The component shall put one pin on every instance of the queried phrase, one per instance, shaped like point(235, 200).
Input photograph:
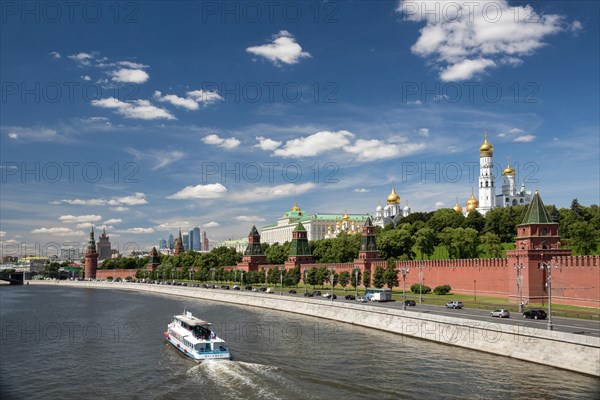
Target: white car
point(361, 299)
point(500, 313)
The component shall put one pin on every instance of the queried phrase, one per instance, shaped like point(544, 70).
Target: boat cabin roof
point(192, 321)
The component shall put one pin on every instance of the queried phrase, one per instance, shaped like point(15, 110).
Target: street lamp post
point(548, 267)
point(281, 269)
point(519, 269)
point(356, 270)
point(242, 280)
point(213, 276)
point(475, 289)
point(305, 272)
point(332, 269)
point(420, 283)
point(404, 272)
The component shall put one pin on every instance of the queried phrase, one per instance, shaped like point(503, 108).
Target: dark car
point(317, 293)
point(292, 291)
point(350, 297)
point(226, 287)
point(262, 289)
point(309, 294)
point(535, 314)
point(328, 296)
point(410, 303)
point(236, 287)
point(195, 285)
point(248, 287)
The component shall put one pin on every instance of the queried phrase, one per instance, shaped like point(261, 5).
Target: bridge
point(15, 278)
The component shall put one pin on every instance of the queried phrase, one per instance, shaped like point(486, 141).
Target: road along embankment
point(564, 350)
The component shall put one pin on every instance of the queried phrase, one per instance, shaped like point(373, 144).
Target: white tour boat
point(194, 338)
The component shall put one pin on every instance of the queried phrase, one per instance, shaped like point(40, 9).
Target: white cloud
point(82, 58)
point(170, 225)
point(315, 144)
point(361, 190)
point(249, 218)
point(130, 75)
point(160, 159)
point(54, 54)
point(113, 221)
point(260, 193)
point(135, 199)
point(439, 204)
point(283, 49)
point(177, 101)
point(86, 78)
point(211, 224)
point(468, 38)
point(132, 65)
point(465, 69)
point(525, 138)
point(423, 132)
point(79, 218)
point(57, 231)
point(138, 230)
point(137, 109)
point(34, 134)
point(266, 143)
point(229, 143)
point(205, 97)
point(374, 149)
point(2, 234)
point(120, 209)
point(210, 191)
point(13, 136)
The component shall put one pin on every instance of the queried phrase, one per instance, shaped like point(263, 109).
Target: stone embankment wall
point(569, 351)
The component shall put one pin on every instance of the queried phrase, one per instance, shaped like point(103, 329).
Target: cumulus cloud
point(193, 101)
point(468, 38)
point(524, 138)
point(82, 58)
point(138, 230)
point(211, 224)
point(249, 218)
point(113, 221)
point(376, 149)
point(13, 136)
point(79, 218)
point(439, 204)
point(170, 225)
point(132, 65)
point(283, 49)
point(54, 54)
point(423, 132)
point(136, 109)
point(315, 144)
point(260, 193)
point(126, 75)
point(132, 200)
point(227, 143)
point(120, 209)
point(34, 134)
point(361, 190)
point(210, 191)
point(266, 143)
point(57, 231)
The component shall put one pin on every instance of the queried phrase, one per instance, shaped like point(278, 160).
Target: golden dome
point(508, 170)
point(295, 207)
point(486, 149)
point(457, 207)
point(472, 203)
point(346, 217)
point(393, 197)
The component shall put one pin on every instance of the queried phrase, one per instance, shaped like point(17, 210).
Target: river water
point(92, 343)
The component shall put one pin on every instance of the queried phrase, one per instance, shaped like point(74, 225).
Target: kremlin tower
point(487, 190)
point(91, 257)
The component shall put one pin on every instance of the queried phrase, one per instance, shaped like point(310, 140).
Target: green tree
point(344, 279)
point(354, 280)
point(391, 274)
point(467, 242)
point(367, 278)
point(584, 237)
point(475, 220)
point(444, 218)
point(446, 238)
point(379, 277)
point(278, 253)
point(292, 276)
point(491, 245)
point(425, 241)
point(396, 243)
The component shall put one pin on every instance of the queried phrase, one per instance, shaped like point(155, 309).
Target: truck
point(381, 296)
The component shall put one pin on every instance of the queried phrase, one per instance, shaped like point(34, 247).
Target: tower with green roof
point(91, 257)
point(253, 255)
point(537, 241)
point(299, 249)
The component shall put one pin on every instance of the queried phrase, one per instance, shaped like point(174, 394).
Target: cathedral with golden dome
point(488, 198)
point(392, 212)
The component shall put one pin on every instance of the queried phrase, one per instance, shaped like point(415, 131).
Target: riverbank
point(568, 351)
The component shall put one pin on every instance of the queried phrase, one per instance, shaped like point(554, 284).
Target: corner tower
point(253, 255)
point(487, 190)
point(91, 257)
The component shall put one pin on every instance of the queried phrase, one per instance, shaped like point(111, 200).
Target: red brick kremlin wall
point(576, 281)
point(102, 274)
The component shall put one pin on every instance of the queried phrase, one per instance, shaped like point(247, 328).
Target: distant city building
point(178, 245)
point(186, 242)
point(171, 242)
point(71, 253)
point(195, 243)
point(204, 241)
point(162, 244)
point(318, 226)
point(103, 246)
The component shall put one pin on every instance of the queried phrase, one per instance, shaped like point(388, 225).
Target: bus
point(374, 294)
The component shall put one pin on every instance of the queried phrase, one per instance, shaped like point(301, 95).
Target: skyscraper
point(103, 246)
point(204, 241)
point(196, 244)
point(171, 242)
point(186, 242)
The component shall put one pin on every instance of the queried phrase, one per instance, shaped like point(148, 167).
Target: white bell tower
point(487, 190)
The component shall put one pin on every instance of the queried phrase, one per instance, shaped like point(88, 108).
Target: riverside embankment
point(564, 350)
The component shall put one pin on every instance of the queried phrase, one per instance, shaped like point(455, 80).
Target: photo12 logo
point(253, 172)
point(469, 92)
point(269, 11)
point(70, 12)
point(67, 171)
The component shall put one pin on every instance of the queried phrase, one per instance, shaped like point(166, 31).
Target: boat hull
point(194, 355)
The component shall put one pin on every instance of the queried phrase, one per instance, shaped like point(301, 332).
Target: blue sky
point(145, 117)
